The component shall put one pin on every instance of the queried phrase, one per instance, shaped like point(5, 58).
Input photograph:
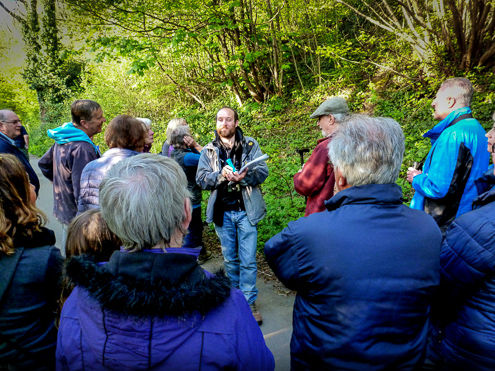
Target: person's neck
point(228, 142)
point(175, 241)
point(90, 135)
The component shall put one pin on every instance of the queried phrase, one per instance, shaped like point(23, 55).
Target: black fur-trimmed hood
point(147, 284)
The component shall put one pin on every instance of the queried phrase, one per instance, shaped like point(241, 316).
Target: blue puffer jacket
point(468, 279)
point(458, 157)
point(152, 310)
point(93, 174)
point(365, 272)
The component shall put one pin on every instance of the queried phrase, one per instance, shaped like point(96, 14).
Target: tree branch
point(11, 13)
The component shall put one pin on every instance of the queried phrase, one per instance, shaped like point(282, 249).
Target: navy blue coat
point(6, 147)
point(365, 272)
point(28, 300)
point(468, 279)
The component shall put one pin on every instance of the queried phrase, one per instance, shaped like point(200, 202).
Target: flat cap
point(331, 106)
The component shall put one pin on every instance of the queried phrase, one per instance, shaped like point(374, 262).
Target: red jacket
point(317, 179)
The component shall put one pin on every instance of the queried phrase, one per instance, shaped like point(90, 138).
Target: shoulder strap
point(419, 165)
point(460, 118)
point(8, 266)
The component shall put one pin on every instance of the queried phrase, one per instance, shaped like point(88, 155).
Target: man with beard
point(236, 204)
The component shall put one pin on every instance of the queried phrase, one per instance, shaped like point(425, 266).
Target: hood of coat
point(44, 237)
point(438, 129)
point(144, 284)
point(154, 304)
point(68, 133)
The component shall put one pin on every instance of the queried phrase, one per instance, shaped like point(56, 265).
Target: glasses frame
point(12, 122)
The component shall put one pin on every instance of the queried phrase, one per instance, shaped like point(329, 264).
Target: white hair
point(142, 200)
point(145, 121)
point(368, 150)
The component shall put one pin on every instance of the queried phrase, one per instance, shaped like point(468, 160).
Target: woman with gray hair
point(152, 306)
point(189, 140)
point(188, 159)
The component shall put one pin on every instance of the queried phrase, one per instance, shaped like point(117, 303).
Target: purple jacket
point(154, 311)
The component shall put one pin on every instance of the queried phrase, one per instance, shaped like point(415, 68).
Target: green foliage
point(51, 70)
point(275, 61)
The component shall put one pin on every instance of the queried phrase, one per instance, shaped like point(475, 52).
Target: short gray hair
point(460, 88)
point(142, 200)
point(3, 114)
point(172, 125)
point(368, 150)
point(176, 138)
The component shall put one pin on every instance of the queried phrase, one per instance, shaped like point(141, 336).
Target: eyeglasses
point(15, 122)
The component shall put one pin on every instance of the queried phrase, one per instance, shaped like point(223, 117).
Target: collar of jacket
point(120, 152)
point(485, 187)
point(324, 139)
point(438, 129)
point(379, 194)
point(68, 133)
point(44, 237)
point(144, 284)
point(6, 138)
point(239, 140)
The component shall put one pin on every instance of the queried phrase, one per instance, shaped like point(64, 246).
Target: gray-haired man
point(10, 128)
point(316, 179)
point(365, 270)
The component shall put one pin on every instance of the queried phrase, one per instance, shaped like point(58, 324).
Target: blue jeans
point(238, 238)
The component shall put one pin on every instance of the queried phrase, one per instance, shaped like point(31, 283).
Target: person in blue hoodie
point(445, 186)
point(64, 162)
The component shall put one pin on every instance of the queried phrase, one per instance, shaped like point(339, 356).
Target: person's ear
point(340, 180)
point(451, 102)
point(83, 124)
point(187, 213)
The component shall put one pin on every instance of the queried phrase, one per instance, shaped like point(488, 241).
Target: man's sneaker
point(256, 314)
point(203, 258)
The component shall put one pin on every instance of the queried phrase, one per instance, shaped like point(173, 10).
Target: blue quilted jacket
point(468, 279)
